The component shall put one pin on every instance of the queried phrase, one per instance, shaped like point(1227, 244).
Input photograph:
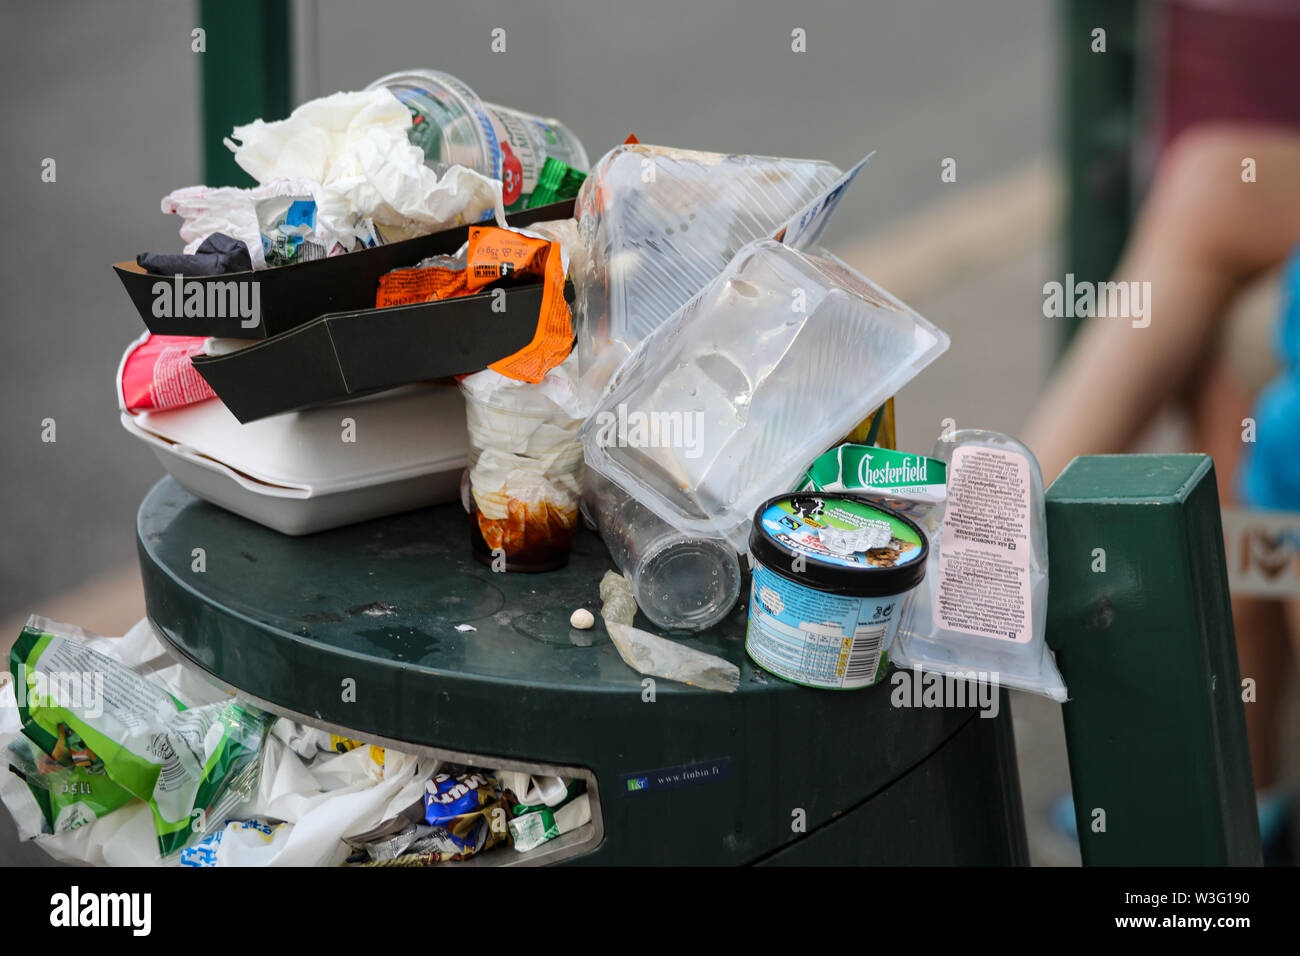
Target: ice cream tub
point(831, 573)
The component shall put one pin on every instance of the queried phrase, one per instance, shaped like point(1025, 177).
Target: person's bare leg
point(1202, 233)
point(1293, 628)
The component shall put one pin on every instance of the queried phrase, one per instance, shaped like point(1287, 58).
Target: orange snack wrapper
point(409, 286)
point(494, 254)
point(554, 337)
point(501, 254)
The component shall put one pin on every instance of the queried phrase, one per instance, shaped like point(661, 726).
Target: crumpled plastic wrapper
point(876, 534)
point(416, 838)
point(256, 217)
point(656, 656)
point(565, 232)
point(526, 464)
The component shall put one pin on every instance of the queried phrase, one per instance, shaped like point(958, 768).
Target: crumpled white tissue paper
point(355, 145)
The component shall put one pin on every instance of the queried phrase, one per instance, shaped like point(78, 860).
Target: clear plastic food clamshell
point(658, 224)
point(726, 403)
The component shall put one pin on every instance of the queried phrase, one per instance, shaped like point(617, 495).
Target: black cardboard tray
point(292, 295)
point(349, 354)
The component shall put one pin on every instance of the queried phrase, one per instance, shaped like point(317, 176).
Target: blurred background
point(1051, 141)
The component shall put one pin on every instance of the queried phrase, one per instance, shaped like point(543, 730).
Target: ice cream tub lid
point(839, 543)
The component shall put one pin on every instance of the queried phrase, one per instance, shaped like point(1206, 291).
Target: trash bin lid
point(401, 593)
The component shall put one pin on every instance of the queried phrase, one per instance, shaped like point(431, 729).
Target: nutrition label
point(816, 639)
point(983, 579)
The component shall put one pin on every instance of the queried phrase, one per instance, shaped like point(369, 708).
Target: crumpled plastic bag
point(325, 801)
point(320, 801)
point(127, 835)
point(355, 146)
point(307, 811)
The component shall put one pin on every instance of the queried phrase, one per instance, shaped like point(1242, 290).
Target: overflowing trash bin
point(432, 304)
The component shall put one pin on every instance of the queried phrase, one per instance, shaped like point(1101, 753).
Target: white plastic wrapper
point(533, 790)
point(305, 741)
point(324, 802)
point(981, 612)
point(657, 656)
point(249, 214)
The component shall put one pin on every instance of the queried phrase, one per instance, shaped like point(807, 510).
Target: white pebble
point(582, 619)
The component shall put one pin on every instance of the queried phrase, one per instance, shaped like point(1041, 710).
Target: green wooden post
point(1099, 105)
point(246, 75)
point(1155, 724)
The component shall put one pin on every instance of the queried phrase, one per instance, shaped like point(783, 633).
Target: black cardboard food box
point(349, 354)
point(289, 296)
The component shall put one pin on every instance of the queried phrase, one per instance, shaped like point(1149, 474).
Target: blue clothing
point(1270, 474)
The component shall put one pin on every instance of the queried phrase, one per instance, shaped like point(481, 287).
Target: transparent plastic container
point(658, 224)
point(727, 403)
point(681, 582)
point(456, 128)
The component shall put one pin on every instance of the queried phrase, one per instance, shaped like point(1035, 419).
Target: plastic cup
point(681, 582)
point(525, 480)
point(456, 128)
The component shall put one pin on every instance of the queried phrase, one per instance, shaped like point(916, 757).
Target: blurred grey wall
point(916, 80)
point(109, 91)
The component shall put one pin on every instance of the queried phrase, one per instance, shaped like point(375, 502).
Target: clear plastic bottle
point(681, 582)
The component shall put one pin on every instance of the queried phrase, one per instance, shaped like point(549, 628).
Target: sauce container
point(831, 574)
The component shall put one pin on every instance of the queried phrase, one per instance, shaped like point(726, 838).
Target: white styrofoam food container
point(298, 473)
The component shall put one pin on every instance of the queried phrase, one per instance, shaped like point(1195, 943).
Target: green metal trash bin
point(389, 631)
